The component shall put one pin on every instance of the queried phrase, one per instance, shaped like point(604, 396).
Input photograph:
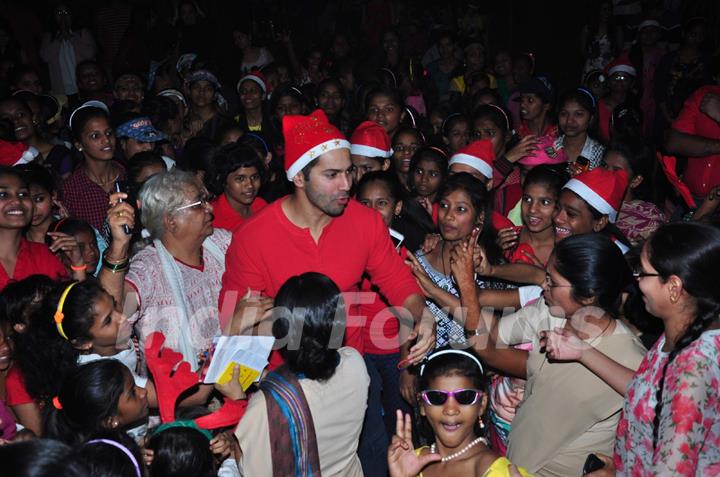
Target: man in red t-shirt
point(696, 134)
point(318, 228)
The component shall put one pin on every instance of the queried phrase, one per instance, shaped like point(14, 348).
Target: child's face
point(15, 203)
point(97, 140)
point(458, 136)
point(485, 128)
point(453, 423)
point(251, 95)
point(364, 164)
point(377, 196)
point(42, 205)
point(539, 206)
point(243, 184)
point(133, 403)
point(384, 111)
point(427, 177)
point(574, 217)
point(457, 216)
point(573, 119)
point(287, 105)
point(404, 147)
point(110, 327)
point(88, 248)
point(331, 100)
point(531, 107)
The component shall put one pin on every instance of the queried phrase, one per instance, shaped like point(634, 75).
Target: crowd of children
point(467, 270)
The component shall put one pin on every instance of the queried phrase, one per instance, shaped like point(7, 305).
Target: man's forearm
point(690, 145)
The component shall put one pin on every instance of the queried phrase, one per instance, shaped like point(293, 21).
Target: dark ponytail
point(42, 354)
point(88, 396)
point(690, 251)
point(596, 269)
point(309, 311)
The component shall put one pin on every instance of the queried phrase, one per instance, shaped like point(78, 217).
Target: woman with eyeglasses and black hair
point(669, 424)
point(566, 411)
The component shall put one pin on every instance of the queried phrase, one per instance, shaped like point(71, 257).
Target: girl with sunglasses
point(453, 400)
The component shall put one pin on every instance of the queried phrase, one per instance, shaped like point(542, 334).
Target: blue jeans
point(383, 399)
point(386, 366)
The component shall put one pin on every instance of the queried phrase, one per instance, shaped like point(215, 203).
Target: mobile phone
point(399, 238)
point(122, 187)
point(592, 463)
point(583, 163)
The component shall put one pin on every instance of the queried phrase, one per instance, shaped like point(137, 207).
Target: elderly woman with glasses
point(171, 285)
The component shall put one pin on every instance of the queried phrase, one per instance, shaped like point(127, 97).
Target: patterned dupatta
point(291, 426)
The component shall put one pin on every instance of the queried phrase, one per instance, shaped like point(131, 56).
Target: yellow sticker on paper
point(246, 378)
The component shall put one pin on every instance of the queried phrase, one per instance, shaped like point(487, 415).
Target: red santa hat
point(478, 154)
point(14, 153)
point(306, 138)
point(668, 165)
point(602, 188)
point(257, 77)
point(621, 65)
point(370, 139)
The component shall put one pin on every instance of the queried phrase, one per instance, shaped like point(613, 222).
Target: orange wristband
point(78, 268)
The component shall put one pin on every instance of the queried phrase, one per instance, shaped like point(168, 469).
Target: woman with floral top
point(671, 417)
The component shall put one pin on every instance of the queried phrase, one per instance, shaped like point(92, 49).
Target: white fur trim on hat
point(369, 151)
point(472, 161)
point(592, 198)
point(623, 248)
point(28, 156)
point(622, 69)
point(313, 154)
point(647, 23)
point(258, 80)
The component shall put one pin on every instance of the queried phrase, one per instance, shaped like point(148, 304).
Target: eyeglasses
point(199, 204)
point(464, 397)
point(638, 273)
point(620, 78)
point(550, 284)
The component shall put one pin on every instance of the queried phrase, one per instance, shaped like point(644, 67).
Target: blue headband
point(267, 149)
point(592, 97)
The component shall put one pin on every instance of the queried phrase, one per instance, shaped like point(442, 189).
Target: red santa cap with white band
point(479, 155)
point(602, 188)
point(16, 153)
point(621, 66)
point(370, 139)
point(306, 138)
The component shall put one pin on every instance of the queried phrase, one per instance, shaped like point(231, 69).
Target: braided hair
point(690, 251)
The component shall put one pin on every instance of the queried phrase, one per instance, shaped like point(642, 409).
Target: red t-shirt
point(269, 249)
point(604, 116)
point(227, 218)
point(380, 333)
point(15, 391)
point(703, 173)
point(34, 259)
